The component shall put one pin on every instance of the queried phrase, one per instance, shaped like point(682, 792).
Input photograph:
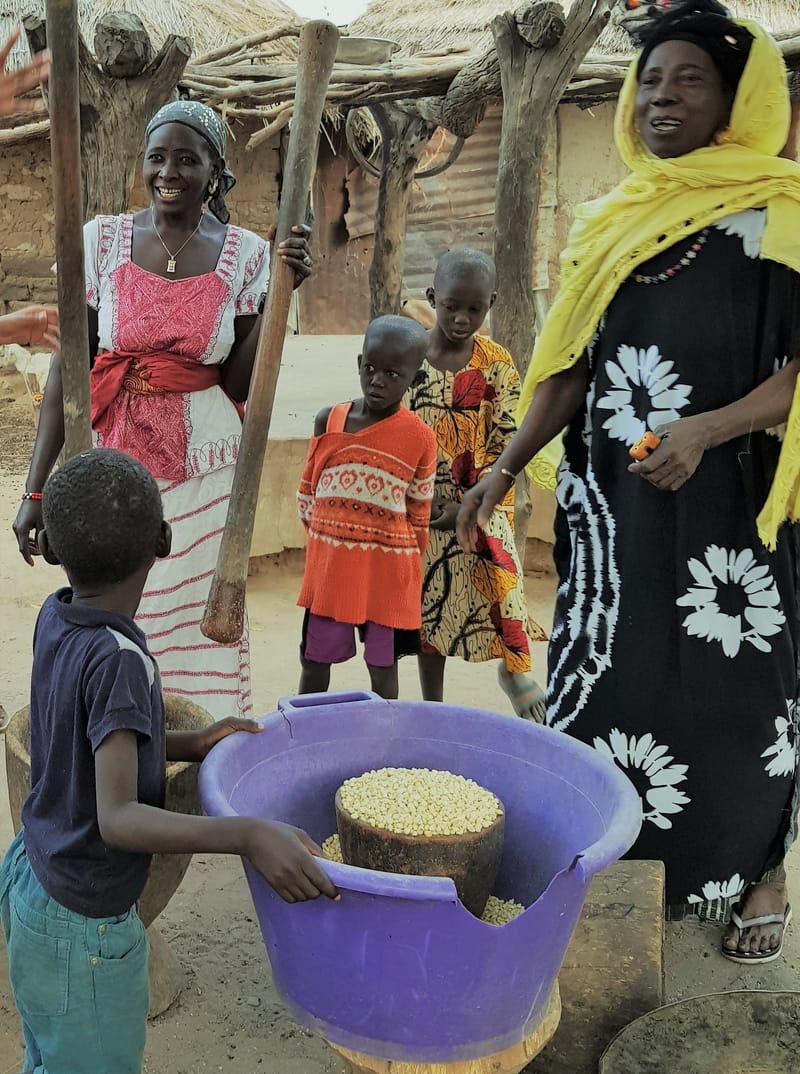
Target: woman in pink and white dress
point(173, 295)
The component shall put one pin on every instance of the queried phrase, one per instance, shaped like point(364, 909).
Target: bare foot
point(758, 941)
point(524, 693)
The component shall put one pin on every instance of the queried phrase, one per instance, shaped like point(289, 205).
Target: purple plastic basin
point(399, 968)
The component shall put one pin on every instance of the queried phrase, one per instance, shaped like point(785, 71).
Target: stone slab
point(614, 969)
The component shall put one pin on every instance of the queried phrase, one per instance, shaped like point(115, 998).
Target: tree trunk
point(115, 111)
point(404, 135)
point(114, 116)
point(538, 50)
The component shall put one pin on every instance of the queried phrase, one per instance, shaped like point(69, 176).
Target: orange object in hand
point(642, 448)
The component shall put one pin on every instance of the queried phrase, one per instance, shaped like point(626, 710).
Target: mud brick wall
point(26, 225)
point(26, 210)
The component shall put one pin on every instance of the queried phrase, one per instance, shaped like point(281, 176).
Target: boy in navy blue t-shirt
point(77, 950)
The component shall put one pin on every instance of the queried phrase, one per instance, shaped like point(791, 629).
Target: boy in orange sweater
point(365, 500)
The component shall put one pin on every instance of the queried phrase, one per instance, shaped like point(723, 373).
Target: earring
point(213, 187)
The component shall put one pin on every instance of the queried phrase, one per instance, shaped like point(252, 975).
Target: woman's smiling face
point(178, 166)
point(681, 102)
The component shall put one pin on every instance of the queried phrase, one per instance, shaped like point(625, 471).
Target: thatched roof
point(208, 24)
point(420, 26)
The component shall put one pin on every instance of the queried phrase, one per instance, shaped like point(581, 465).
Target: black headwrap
point(208, 124)
point(708, 25)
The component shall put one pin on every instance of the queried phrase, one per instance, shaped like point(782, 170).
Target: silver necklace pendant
point(172, 257)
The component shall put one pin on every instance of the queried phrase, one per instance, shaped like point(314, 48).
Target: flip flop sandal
point(532, 698)
point(783, 919)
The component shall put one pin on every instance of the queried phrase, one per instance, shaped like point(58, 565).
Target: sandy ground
point(229, 1017)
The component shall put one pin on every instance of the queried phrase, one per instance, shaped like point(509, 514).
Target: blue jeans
point(80, 983)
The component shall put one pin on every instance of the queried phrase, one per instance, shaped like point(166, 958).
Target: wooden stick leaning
point(224, 615)
point(65, 148)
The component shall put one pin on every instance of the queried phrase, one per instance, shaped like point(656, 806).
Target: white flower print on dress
point(719, 891)
point(590, 597)
point(782, 753)
point(749, 226)
point(758, 616)
point(662, 794)
point(645, 372)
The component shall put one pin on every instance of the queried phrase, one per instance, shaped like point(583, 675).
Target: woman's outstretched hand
point(676, 458)
point(13, 84)
point(32, 326)
point(476, 508)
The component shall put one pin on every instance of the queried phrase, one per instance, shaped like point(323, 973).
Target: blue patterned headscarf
point(208, 125)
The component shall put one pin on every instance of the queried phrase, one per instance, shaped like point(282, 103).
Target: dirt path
point(229, 1017)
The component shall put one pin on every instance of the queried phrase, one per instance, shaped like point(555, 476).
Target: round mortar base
point(510, 1061)
point(167, 979)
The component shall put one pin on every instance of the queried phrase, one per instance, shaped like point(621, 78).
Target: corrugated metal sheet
point(451, 209)
point(335, 301)
point(454, 208)
point(457, 207)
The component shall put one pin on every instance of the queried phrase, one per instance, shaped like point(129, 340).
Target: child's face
point(386, 371)
point(461, 305)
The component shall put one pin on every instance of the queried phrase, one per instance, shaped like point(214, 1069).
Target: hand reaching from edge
point(13, 84)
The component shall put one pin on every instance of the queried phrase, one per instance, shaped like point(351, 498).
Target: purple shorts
point(327, 641)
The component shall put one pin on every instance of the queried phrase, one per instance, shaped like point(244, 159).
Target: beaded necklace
point(678, 267)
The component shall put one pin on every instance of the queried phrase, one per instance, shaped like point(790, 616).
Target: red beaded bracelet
point(31, 496)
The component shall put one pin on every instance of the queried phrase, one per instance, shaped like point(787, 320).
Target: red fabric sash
point(161, 371)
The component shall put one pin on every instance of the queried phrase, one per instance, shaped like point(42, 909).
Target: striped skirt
point(216, 677)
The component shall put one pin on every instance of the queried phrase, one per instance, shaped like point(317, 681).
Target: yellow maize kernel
point(419, 801)
point(332, 849)
point(501, 911)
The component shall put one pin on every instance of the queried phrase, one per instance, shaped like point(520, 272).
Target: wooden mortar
point(470, 859)
point(513, 1060)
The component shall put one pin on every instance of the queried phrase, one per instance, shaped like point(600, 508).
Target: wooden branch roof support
point(456, 86)
point(538, 49)
point(475, 86)
point(372, 169)
point(119, 92)
point(404, 135)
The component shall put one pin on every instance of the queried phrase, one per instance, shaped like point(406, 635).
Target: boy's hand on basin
point(196, 745)
point(285, 858)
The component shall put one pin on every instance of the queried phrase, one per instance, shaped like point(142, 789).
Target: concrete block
point(278, 524)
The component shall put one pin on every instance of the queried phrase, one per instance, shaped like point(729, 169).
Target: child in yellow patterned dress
point(473, 605)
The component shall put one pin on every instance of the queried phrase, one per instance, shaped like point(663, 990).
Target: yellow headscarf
point(664, 201)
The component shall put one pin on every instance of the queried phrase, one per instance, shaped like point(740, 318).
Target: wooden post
point(65, 146)
point(512, 1060)
point(404, 134)
point(223, 620)
point(539, 50)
